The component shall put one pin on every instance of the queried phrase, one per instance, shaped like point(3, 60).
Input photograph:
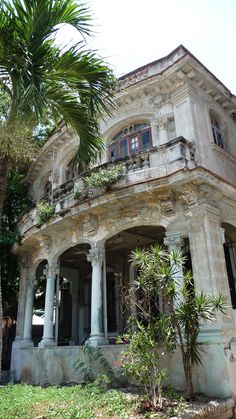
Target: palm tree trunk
point(3, 177)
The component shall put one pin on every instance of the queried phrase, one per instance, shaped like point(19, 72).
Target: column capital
point(174, 241)
point(51, 270)
point(96, 256)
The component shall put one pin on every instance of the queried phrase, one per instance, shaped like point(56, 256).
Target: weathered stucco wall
point(59, 365)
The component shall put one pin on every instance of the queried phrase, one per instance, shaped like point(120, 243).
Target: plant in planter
point(105, 177)
point(44, 211)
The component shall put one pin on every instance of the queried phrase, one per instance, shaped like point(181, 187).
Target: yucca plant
point(158, 296)
point(192, 308)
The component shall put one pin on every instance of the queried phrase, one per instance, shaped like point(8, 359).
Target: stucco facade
point(174, 132)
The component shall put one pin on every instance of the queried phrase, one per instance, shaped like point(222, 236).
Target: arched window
point(217, 131)
point(131, 139)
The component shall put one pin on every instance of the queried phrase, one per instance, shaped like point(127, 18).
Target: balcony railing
point(154, 163)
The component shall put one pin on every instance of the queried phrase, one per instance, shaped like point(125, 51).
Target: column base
point(26, 343)
point(97, 340)
point(45, 343)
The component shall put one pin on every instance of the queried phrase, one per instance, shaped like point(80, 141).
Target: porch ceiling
point(133, 237)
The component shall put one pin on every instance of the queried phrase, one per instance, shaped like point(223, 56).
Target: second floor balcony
point(154, 163)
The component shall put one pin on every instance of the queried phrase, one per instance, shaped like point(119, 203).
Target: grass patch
point(90, 401)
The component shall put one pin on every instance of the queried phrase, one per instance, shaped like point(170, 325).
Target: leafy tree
point(168, 315)
point(16, 201)
point(38, 78)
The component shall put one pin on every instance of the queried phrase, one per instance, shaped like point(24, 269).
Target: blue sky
point(132, 33)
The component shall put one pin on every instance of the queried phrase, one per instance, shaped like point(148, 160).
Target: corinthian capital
point(96, 256)
point(51, 270)
point(174, 242)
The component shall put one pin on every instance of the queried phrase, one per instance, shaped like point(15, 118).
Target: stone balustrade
point(154, 163)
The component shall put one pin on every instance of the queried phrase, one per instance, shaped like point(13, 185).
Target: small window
point(134, 144)
point(217, 132)
point(114, 151)
point(146, 139)
point(123, 147)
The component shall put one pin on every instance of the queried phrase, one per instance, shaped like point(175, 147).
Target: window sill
point(223, 152)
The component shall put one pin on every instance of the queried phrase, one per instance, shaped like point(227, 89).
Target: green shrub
point(105, 177)
point(44, 211)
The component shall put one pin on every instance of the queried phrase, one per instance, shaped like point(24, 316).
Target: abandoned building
point(173, 132)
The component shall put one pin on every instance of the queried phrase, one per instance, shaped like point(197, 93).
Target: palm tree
point(38, 78)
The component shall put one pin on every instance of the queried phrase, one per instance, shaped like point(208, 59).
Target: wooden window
point(131, 140)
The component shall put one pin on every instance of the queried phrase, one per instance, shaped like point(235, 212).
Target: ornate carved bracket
point(167, 204)
point(90, 225)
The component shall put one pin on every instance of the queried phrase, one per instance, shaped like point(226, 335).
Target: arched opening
point(74, 296)
point(121, 273)
point(230, 258)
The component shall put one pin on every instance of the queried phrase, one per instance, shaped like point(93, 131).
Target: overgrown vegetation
point(15, 203)
point(105, 177)
point(168, 311)
point(44, 211)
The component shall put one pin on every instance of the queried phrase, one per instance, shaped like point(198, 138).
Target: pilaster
point(208, 259)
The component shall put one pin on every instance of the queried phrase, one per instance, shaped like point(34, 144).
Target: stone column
point(208, 259)
point(97, 337)
point(21, 300)
point(27, 330)
point(48, 338)
point(175, 243)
